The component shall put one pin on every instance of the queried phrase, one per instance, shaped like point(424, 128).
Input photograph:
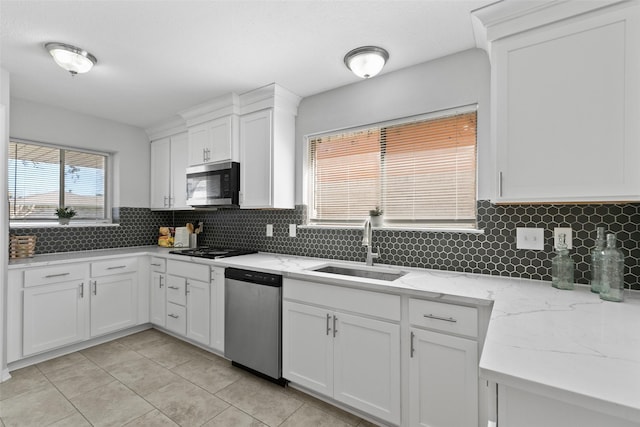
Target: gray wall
point(130, 145)
point(452, 81)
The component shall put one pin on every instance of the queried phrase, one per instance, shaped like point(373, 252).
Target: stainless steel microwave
point(214, 185)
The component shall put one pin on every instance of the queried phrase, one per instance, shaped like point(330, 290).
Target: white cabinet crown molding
point(221, 106)
point(509, 17)
point(270, 96)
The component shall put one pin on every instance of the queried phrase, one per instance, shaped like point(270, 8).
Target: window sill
point(50, 224)
point(392, 228)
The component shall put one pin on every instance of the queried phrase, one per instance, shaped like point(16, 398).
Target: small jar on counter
point(562, 266)
point(612, 272)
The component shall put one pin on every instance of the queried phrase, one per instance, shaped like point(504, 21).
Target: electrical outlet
point(568, 233)
point(269, 230)
point(292, 230)
point(530, 238)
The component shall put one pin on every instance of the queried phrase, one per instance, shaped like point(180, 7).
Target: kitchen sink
point(376, 273)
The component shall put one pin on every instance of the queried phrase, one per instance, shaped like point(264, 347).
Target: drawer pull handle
point(156, 265)
point(444, 319)
point(173, 287)
point(48, 276)
point(116, 267)
point(175, 316)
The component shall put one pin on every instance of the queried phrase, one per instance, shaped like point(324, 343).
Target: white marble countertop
point(567, 345)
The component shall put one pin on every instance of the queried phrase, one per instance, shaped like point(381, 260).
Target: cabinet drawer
point(158, 264)
point(176, 289)
point(191, 270)
point(374, 304)
point(114, 266)
point(443, 317)
point(54, 274)
point(177, 318)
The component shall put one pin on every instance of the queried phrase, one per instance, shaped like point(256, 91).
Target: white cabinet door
point(198, 324)
point(367, 365)
point(54, 316)
point(179, 163)
point(256, 160)
point(566, 99)
point(113, 303)
point(307, 346)
point(443, 373)
point(217, 308)
point(160, 173)
point(198, 143)
point(158, 299)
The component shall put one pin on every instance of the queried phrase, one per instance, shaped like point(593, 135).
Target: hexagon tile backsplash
point(493, 252)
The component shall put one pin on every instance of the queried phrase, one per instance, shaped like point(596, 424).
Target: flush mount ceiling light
point(366, 61)
point(71, 58)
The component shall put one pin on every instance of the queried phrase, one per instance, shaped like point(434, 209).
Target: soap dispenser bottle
point(562, 266)
point(597, 256)
point(612, 272)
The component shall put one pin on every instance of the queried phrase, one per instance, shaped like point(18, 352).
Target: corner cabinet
point(267, 148)
point(214, 141)
point(345, 344)
point(566, 102)
point(168, 176)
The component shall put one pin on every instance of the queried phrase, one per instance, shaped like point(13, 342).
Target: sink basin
point(365, 272)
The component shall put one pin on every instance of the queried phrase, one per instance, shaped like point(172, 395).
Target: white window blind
point(422, 173)
point(43, 178)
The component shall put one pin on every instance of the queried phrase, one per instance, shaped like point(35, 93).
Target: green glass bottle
point(597, 255)
point(562, 266)
point(612, 272)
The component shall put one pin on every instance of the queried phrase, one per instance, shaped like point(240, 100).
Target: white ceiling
point(156, 58)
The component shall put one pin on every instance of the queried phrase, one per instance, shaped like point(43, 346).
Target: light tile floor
point(153, 379)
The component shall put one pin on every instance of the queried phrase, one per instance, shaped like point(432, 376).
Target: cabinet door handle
point(95, 287)
point(165, 201)
point(82, 290)
point(161, 277)
point(175, 316)
point(335, 329)
point(48, 276)
point(328, 327)
point(116, 267)
point(500, 184)
point(444, 319)
point(412, 348)
point(173, 287)
point(186, 288)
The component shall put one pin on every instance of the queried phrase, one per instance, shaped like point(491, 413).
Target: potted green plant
point(376, 217)
point(65, 214)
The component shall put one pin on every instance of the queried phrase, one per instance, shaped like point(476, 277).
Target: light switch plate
point(530, 238)
point(269, 230)
point(568, 236)
point(292, 230)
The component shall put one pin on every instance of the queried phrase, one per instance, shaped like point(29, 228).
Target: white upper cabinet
point(168, 176)
point(565, 107)
point(213, 130)
point(214, 141)
point(267, 148)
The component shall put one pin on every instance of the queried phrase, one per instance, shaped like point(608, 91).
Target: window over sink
point(420, 171)
point(45, 177)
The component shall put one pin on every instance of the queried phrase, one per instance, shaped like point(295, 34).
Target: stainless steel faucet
point(367, 237)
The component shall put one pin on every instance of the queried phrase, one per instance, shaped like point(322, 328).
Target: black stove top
point(207, 252)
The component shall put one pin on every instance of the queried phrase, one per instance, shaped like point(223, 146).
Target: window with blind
point(421, 172)
point(43, 178)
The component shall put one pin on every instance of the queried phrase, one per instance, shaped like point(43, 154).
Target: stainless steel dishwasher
point(253, 321)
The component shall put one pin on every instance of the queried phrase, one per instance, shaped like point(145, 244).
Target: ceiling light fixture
point(71, 58)
point(366, 61)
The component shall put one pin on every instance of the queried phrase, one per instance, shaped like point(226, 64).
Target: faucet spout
point(367, 239)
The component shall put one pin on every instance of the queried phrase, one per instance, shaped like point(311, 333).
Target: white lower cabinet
point(443, 367)
point(443, 383)
point(216, 313)
point(54, 316)
point(353, 359)
point(188, 300)
point(158, 306)
point(113, 303)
